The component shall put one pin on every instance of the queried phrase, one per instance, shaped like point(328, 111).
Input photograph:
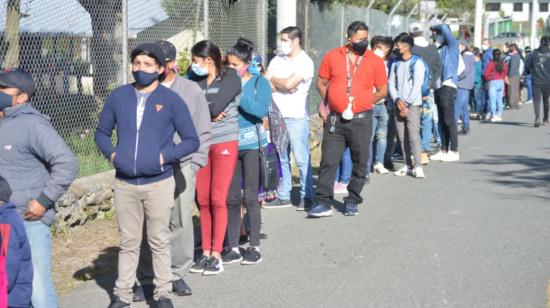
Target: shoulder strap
point(258, 125)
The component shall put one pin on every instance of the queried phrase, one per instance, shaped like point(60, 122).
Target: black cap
point(169, 50)
point(151, 49)
point(5, 190)
point(18, 78)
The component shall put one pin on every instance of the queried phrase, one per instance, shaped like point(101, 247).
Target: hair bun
point(242, 42)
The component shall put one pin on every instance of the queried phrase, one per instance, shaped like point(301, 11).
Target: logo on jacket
point(7, 147)
point(159, 107)
point(225, 152)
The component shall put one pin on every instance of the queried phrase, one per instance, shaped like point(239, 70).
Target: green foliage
point(90, 160)
point(183, 60)
point(456, 8)
point(384, 6)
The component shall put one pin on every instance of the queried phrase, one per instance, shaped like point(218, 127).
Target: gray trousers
point(182, 239)
point(408, 130)
point(514, 91)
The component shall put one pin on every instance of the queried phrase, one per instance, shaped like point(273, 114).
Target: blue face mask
point(5, 101)
point(198, 70)
point(145, 79)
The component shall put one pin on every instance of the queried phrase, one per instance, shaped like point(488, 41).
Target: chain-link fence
point(77, 50)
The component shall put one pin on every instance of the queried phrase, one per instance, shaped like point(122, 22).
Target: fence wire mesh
point(75, 48)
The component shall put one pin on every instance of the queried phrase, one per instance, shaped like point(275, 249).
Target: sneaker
point(319, 211)
point(277, 204)
point(488, 117)
point(494, 119)
point(164, 302)
point(528, 102)
point(231, 256)
point(451, 157)
point(118, 303)
point(200, 265)
point(214, 266)
point(402, 172)
point(380, 169)
point(545, 123)
point(181, 288)
point(424, 158)
point(251, 256)
point(341, 188)
point(537, 124)
point(464, 131)
point(419, 173)
point(305, 205)
point(351, 209)
point(439, 156)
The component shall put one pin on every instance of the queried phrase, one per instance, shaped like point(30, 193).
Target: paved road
point(472, 234)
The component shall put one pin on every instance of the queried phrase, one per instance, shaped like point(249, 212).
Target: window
point(518, 7)
point(492, 7)
point(543, 7)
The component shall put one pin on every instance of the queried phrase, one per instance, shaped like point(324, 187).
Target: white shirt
point(292, 105)
point(140, 108)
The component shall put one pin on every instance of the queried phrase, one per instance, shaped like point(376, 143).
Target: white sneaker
point(488, 116)
point(439, 156)
point(528, 102)
point(401, 172)
point(419, 173)
point(379, 168)
point(499, 119)
point(494, 119)
point(451, 157)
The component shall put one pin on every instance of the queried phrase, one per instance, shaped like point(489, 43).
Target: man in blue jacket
point(39, 168)
point(445, 95)
point(146, 116)
point(15, 245)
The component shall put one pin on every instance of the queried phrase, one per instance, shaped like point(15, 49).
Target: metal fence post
point(205, 17)
point(124, 41)
point(262, 32)
point(342, 31)
point(306, 26)
point(410, 14)
point(390, 16)
point(371, 3)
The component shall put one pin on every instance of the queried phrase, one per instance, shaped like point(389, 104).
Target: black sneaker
point(213, 267)
point(118, 303)
point(251, 256)
point(181, 288)
point(277, 204)
point(139, 294)
point(305, 205)
point(231, 256)
point(351, 209)
point(200, 265)
point(164, 302)
point(320, 211)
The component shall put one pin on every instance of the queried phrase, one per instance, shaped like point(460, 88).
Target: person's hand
point(113, 156)
point(323, 116)
point(34, 211)
point(161, 160)
point(219, 117)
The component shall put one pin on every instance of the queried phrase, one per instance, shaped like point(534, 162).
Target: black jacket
point(430, 55)
point(538, 65)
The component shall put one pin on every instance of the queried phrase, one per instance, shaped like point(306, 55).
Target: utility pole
point(534, 14)
point(286, 14)
point(478, 25)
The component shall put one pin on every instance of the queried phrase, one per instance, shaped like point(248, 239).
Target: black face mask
point(360, 47)
point(397, 53)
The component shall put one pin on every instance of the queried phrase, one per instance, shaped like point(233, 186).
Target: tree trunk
point(13, 15)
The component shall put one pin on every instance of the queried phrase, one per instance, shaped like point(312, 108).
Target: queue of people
point(210, 138)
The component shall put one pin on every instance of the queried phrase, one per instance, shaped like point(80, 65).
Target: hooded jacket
point(538, 65)
point(34, 159)
point(449, 54)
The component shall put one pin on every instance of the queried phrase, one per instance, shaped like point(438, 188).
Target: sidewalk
point(472, 234)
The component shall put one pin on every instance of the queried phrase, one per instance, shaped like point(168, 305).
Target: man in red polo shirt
point(351, 79)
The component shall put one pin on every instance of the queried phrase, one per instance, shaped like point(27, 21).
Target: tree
point(105, 43)
point(457, 8)
point(11, 43)
point(382, 5)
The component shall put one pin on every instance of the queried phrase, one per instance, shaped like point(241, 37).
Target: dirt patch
point(83, 253)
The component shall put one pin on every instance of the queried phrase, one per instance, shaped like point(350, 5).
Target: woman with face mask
point(255, 101)
point(222, 88)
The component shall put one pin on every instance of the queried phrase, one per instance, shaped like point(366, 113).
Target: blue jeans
point(298, 133)
point(427, 124)
point(496, 92)
point(343, 173)
point(380, 129)
point(479, 102)
point(461, 106)
point(43, 290)
point(529, 84)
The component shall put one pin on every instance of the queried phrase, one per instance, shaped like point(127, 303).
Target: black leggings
point(247, 172)
point(445, 98)
point(541, 93)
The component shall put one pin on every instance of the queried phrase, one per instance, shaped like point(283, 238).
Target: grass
point(90, 160)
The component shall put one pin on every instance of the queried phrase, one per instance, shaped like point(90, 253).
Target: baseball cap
point(151, 49)
point(416, 27)
point(169, 50)
point(5, 190)
point(18, 78)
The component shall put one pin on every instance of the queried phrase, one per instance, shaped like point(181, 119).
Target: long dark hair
point(497, 57)
point(242, 50)
point(205, 49)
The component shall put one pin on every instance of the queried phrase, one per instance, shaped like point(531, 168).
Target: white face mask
point(485, 47)
point(379, 53)
point(285, 48)
point(348, 114)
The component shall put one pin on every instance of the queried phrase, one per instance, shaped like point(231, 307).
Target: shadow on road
point(519, 171)
point(103, 269)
